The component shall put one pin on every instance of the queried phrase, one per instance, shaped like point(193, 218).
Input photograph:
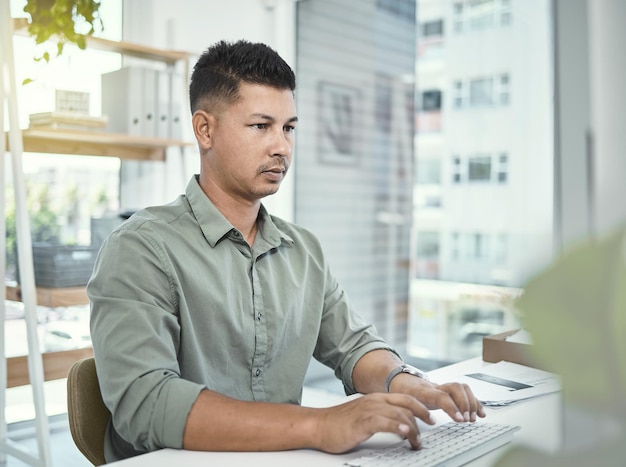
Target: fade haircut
point(222, 67)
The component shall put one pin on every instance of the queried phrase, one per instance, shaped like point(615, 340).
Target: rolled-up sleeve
point(136, 339)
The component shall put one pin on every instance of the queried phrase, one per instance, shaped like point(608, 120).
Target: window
point(456, 169)
point(503, 168)
point(373, 189)
point(479, 139)
point(479, 169)
point(457, 94)
point(481, 92)
point(481, 14)
point(432, 28)
point(478, 246)
point(505, 13)
point(504, 90)
point(457, 17)
point(431, 100)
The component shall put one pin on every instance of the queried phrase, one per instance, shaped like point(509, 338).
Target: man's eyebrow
point(272, 119)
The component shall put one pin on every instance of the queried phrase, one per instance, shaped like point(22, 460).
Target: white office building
point(484, 134)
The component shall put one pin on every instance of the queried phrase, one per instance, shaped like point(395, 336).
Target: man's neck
point(242, 214)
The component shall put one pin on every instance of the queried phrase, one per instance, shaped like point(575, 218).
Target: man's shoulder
point(156, 217)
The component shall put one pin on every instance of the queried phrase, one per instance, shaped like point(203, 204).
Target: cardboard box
point(496, 348)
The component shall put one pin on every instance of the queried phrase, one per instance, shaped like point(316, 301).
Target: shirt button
point(258, 372)
point(258, 317)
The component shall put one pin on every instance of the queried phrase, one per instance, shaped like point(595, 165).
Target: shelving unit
point(51, 297)
point(96, 143)
point(35, 368)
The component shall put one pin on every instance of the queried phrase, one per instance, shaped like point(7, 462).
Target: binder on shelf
point(143, 101)
point(129, 99)
point(163, 93)
point(149, 101)
point(176, 100)
point(121, 100)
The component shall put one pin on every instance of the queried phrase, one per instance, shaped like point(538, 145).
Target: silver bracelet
point(404, 368)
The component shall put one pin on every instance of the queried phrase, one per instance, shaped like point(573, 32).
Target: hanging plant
point(63, 21)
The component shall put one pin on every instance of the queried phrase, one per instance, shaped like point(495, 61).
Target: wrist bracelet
point(404, 368)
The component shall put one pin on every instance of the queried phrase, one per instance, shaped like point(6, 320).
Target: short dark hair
point(222, 67)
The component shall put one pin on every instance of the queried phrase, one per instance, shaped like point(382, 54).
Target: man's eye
point(290, 128)
point(260, 126)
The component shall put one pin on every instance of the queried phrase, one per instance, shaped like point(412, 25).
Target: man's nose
point(282, 144)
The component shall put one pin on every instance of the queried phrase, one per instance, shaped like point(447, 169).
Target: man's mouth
point(274, 173)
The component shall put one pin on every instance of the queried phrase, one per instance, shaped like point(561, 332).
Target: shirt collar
point(216, 227)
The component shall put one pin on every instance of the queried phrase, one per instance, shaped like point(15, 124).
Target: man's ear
point(203, 124)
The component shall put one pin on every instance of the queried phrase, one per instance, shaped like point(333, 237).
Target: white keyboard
point(449, 445)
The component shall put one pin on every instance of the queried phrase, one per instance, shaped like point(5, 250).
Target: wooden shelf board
point(52, 296)
point(20, 26)
point(55, 365)
point(96, 143)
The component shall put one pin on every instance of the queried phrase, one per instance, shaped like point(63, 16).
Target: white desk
point(540, 419)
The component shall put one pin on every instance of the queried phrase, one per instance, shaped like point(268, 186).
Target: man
point(207, 311)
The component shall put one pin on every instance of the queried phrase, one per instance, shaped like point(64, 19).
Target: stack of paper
point(505, 383)
point(67, 119)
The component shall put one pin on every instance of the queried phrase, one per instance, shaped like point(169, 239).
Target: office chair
point(88, 416)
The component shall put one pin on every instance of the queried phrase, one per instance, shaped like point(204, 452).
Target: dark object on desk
point(63, 265)
point(88, 416)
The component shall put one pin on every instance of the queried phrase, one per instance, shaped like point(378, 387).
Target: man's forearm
point(371, 370)
point(219, 423)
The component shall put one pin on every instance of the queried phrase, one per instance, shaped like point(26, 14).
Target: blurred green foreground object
point(576, 312)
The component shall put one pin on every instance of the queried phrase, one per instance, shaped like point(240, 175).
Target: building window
point(503, 168)
point(456, 169)
point(481, 92)
point(481, 14)
point(478, 246)
point(458, 94)
point(454, 246)
point(479, 169)
point(431, 100)
point(505, 13)
point(432, 28)
point(504, 89)
point(457, 17)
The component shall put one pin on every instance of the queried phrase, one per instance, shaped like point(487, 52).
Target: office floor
point(318, 392)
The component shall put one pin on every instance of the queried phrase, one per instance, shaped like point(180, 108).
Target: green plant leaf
point(58, 19)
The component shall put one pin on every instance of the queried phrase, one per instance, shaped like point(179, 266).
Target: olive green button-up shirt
point(180, 302)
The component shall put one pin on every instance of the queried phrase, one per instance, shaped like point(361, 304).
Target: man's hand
point(343, 427)
point(455, 399)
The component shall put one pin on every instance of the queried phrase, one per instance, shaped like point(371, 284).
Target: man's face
point(252, 142)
